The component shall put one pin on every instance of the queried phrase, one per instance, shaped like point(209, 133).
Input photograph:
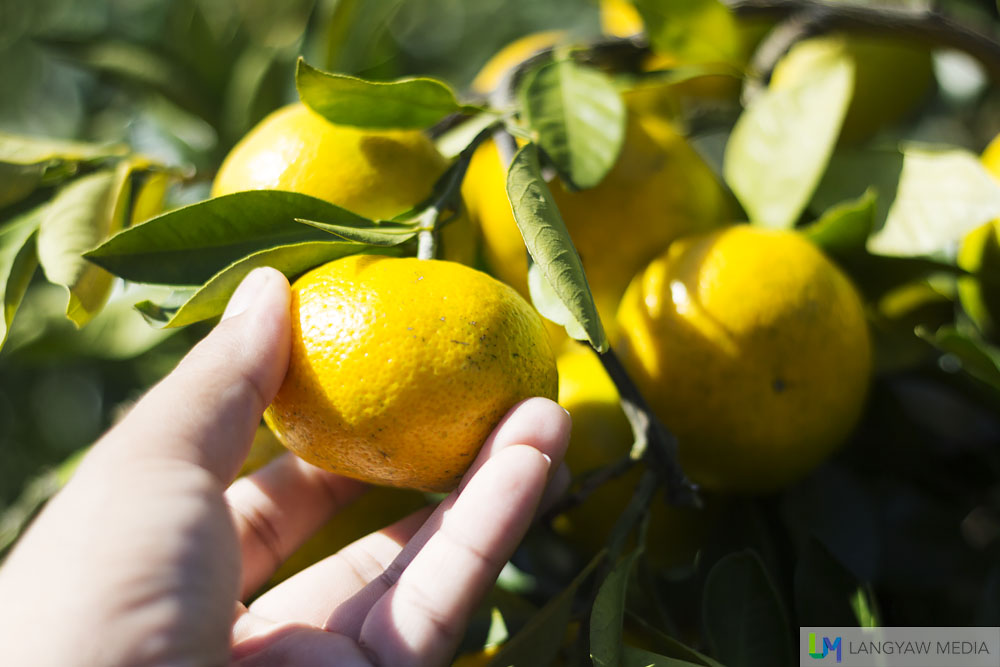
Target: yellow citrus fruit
point(492, 73)
point(890, 77)
point(753, 348)
point(980, 255)
point(401, 367)
point(659, 189)
point(377, 174)
point(601, 436)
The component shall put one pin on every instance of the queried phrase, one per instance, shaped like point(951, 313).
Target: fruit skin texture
point(659, 189)
point(601, 436)
point(400, 368)
point(980, 254)
point(890, 78)
point(377, 174)
point(753, 348)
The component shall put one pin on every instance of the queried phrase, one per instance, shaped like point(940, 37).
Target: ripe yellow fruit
point(375, 173)
point(659, 189)
point(980, 255)
point(753, 348)
point(890, 77)
point(601, 436)
point(401, 367)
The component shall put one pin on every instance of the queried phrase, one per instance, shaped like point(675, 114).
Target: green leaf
point(579, 118)
point(866, 613)
point(189, 245)
point(82, 215)
point(18, 262)
point(210, 300)
point(548, 303)
point(744, 621)
point(455, 140)
point(782, 142)
point(23, 150)
point(977, 358)
point(410, 103)
point(538, 642)
point(823, 587)
point(638, 657)
point(693, 31)
point(150, 196)
point(845, 227)
point(942, 196)
point(386, 234)
point(606, 618)
point(549, 245)
point(670, 647)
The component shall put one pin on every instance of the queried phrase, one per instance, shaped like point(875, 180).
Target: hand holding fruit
point(159, 552)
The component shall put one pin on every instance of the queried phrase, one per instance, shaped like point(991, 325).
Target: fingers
point(279, 507)
point(205, 412)
point(537, 423)
point(420, 620)
point(258, 642)
point(309, 596)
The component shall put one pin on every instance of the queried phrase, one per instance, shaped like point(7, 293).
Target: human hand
point(142, 557)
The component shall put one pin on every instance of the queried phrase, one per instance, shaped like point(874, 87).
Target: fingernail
point(246, 293)
point(547, 458)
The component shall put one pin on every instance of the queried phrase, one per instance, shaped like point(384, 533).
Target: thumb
point(207, 410)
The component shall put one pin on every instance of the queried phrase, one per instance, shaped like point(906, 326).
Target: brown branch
point(929, 26)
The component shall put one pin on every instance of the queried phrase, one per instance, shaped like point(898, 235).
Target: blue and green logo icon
point(828, 647)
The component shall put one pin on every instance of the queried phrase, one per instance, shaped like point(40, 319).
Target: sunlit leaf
point(548, 303)
point(846, 226)
point(150, 196)
point(189, 245)
point(549, 244)
point(942, 195)
point(782, 142)
point(693, 31)
point(384, 235)
point(411, 103)
point(18, 262)
point(977, 358)
point(82, 215)
point(745, 623)
point(454, 141)
point(538, 642)
point(210, 300)
point(607, 616)
point(579, 118)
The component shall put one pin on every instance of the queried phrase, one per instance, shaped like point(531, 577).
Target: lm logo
point(828, 647)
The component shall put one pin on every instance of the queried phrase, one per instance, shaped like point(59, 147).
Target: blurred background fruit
point(376, 174)
point(753, 348)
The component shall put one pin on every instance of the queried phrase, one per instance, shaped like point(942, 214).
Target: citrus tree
point(760, 233)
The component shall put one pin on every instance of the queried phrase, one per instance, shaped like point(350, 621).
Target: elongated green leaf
point(846, 226)
point(210, 300)
point(942, 196)
point(17, 181)
point(18, 262)
point(549, 244)
point(384, 235)
point(670, 647)
point(782, 142)
point(693, 31)
point(150, 197)
point(189, 245)
point(23, 150)
point(454, 141)
point(977, 358)
point(579, 118)
point(82, 215)
point(548, 303)
point(607, 616)
point(745, 623)
point(538, 642)
point(411, 103)
point(638, 657)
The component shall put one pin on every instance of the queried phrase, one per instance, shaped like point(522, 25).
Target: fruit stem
point(653, 441)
